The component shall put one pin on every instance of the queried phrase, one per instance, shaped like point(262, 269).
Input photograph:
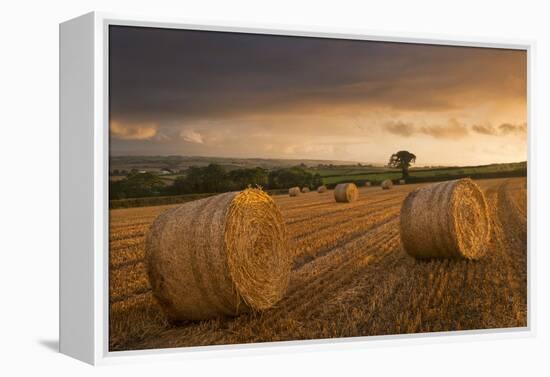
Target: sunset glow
point(244, 95)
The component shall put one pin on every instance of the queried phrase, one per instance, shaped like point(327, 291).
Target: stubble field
point(350, 276)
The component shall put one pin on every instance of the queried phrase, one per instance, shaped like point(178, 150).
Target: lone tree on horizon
point(402, 160)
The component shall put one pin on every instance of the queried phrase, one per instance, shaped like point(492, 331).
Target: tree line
point(211, 179)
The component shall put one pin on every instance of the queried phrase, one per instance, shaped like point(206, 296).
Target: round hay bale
point(223, 255)
point(447, 220)
point(346, 192)
point(367, 184)
point(321, 189)
point(305, 189)
point(387, 184)
point(401, 181)
point(294, 191)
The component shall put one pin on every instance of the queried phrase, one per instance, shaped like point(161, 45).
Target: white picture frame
point(84, 148)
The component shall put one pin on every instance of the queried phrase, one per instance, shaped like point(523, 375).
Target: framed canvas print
point(226, 188)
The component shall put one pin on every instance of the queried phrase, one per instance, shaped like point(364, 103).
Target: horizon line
point(306, 159)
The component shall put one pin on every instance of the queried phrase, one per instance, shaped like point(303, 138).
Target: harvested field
point(350, 276)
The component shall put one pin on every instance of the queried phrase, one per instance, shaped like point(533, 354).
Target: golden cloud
point(453, 129)
point(191, 136)
point(400, 128)
point(502, 130)
point(508, 128)
point(140, 131)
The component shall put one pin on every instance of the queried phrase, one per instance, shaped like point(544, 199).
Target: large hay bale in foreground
point(294, 191)
point(321, 189)
point(305, 189)
point(387, 184)
point(223, 255)
point(448, 220)
point(346, 192)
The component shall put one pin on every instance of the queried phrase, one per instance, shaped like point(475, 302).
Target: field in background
point(350, 276)
point(157, 163)
point(340, 174)
point(331, 175)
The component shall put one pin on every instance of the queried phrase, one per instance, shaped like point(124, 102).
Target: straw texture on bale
point(305, 189)
point(401, 181)
point(321, 189)
point(367, 184)
point(223, 255)
point(294, 191)
point(387, 184)
point(346, 192)
point(445, 220)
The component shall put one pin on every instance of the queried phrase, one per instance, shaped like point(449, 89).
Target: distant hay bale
point(223, 255)
point(346, 192)
point(367, 184)
point(448, 220)
point(294, 191)
point(321, 189)
point(387, 184)
point(305, 189)
point(401, 181)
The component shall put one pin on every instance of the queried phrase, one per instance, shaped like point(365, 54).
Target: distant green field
point(361, 177)
point(346, 170)
point(337, 174)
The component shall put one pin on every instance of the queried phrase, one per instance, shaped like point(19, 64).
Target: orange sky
point(242, 95)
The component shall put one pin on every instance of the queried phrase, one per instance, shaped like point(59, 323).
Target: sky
point(200, 93)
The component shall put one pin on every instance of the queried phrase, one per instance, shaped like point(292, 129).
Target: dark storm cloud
point(243, 95)
point(161, 75)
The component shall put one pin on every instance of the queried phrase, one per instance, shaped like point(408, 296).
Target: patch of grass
point(175, 199)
